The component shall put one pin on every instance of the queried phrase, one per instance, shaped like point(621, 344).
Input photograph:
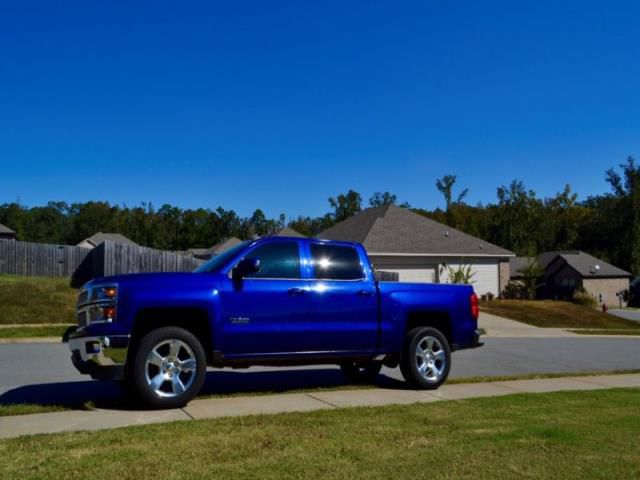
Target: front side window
point(335, 262)
point(277, 260)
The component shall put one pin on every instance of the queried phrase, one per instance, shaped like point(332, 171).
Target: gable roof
point(6, 230)
point(225, 244)
point(587, 265)
point(395, 230)
point(100, 237)
point(289, 232)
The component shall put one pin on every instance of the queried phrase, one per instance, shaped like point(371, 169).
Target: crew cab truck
point(272, 301)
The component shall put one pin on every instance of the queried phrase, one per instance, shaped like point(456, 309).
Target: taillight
point(475, 308)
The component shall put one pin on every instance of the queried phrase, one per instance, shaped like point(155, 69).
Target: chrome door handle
point(365, 293)
point(297, 291)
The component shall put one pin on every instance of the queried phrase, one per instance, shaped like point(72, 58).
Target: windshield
point(221, 260)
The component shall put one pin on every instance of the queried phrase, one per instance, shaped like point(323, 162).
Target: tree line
point(606, 225)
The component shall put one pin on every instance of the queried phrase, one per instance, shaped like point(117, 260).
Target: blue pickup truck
point(271, 301)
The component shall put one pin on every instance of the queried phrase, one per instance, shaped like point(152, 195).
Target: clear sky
point(279, 105)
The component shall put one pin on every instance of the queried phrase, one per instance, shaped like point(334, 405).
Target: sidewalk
point(297, 402)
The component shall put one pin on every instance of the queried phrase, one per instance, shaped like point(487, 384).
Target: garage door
point(416, 275)
point(485, 276)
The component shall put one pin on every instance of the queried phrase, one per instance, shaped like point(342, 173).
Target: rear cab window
point(335, 262)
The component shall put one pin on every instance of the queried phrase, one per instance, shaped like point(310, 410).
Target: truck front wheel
point(426, 358)
point(169, 367)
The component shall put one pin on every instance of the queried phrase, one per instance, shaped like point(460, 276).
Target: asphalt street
point(42, 373)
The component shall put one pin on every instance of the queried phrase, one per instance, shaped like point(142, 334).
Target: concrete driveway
point(628, 314)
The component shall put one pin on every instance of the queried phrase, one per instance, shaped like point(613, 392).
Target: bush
point(514, 291)
point(585, 299)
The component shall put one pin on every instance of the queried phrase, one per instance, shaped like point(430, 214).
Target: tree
point(345, 205)
point(627, 189)
point(532, 278)
point(445, 186)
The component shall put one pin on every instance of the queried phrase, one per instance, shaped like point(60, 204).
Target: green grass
point(551, 313)
point(568, 435)
point(33, 331)
point(32, 300)
point(596, 331)
point(29, 408)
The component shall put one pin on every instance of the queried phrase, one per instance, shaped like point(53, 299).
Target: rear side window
point(333, 262)
point(277, 260)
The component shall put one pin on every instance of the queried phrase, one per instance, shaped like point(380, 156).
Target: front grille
point(83, 318)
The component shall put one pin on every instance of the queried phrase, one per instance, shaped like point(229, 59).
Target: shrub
point(514, 291)
point(585, 299)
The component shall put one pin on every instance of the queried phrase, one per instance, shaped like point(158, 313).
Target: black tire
point(178, 378)
point(430, 371)
point(361, 372)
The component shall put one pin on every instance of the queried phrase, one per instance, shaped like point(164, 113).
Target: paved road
point(42, 373)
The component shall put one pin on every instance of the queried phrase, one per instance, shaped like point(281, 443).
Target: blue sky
point(279, 105)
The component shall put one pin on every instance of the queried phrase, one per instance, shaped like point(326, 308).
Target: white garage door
point(485, 276)
point(416, 275)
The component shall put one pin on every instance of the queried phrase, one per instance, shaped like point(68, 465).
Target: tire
point(426, 358)
point(169, 368)
point(361, 372)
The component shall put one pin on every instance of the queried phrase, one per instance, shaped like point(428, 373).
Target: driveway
point(628, 314)
point(42, 373)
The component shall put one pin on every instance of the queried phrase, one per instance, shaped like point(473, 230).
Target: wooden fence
point(83, 264)
point(40, 259)
point(117, 259)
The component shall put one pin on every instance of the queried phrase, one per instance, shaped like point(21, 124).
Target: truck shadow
point(109, 395)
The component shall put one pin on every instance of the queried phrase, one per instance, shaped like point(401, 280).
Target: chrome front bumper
point(102, 357)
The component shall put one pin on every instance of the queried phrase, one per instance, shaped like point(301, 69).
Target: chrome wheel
point(170, 368)
point(431, 358)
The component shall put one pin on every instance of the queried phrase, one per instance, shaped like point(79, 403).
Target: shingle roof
point(581, 262)
point(517, 264)
point(225, 244)
point(289, 232)
point(392, 229)
point(589, 266)
point(100, 237)
point(6, 230)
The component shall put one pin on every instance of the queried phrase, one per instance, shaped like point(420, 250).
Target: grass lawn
point(551, 313)
point(36, 300)
point(591, 434)
point(34, 331)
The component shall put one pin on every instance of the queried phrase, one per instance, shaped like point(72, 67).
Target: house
point(288, 232)
point(419, 249)
point(567, 271)
point(100, 237)
point(6, 233)
point(225, 244)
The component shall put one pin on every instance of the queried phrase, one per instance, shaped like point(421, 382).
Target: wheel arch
point(438, 319)
point(193, 319)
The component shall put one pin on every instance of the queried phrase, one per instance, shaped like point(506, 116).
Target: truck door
point(344, 300)
point(267, 312)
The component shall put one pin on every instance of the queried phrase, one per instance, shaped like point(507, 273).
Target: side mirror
point(245, 267)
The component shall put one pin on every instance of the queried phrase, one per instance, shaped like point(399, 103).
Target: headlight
point(109, 292)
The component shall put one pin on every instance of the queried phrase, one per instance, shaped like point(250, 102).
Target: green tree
point(345, 205)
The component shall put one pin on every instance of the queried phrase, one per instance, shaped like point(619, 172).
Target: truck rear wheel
point(361, 371)
point(169, 367)
point(426, 358)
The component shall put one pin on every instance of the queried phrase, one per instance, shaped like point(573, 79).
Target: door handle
point(297, 291)
point(365, 293)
